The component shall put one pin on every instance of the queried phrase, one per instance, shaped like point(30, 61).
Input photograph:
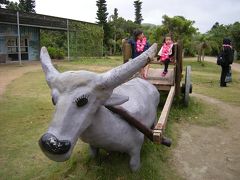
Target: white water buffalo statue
point(80, 98)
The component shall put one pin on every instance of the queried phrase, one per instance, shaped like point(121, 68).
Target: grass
point(106, 61)
point(25, 114)
point(205, 80)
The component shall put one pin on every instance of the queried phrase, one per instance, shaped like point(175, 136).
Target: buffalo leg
point(135, 160)
point(93, 151)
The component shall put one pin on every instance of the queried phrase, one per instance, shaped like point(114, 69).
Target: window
point(12, 45)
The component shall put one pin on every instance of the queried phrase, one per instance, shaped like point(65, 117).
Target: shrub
point(56, 53)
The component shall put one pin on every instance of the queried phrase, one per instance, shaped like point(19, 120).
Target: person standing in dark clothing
point(227, 56)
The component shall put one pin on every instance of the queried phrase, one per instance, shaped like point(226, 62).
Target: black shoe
point(223, 85)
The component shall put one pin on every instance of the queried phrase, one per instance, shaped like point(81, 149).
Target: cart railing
point(172, 85)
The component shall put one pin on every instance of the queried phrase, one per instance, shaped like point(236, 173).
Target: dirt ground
point(202, 152)
point(9, 72)
point(210, 152)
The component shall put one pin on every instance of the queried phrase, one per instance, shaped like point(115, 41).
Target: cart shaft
point(159, 128)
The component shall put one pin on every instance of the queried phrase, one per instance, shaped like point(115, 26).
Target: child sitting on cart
point(139, 44)
point(166, 53)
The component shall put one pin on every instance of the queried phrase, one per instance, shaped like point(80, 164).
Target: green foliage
point(120, 29)
point(4, 2)
point(56, 53)
point(102, 12)
point(215, 36)
point(13, 6)
point(200, 42)
point(138, 7)
point(85, 39)
point(30, 5)
point(235, 35)
point(150, 31)
point(23, 5)
point(51, 38)
point(102, 19)
point(179, 27)
point(115, 14)
point(55, 41)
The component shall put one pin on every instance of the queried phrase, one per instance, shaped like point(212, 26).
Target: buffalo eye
point(53, 101)
point(55, 95)
point(81, 101)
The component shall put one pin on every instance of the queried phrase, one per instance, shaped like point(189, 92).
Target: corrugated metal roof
point(8, 16)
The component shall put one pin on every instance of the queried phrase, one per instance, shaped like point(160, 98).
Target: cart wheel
point(187, 85)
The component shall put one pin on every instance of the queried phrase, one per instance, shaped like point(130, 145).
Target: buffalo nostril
point(51, 144)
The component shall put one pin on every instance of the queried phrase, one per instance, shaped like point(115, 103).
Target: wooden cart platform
point(162, 83)
point(170, 82)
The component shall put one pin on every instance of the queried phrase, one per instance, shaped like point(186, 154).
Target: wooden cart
point(171, 82)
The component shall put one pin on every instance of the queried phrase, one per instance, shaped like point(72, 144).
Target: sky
point(204, 12)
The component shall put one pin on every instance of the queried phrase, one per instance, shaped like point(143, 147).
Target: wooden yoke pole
point(127, 50)
point(159, 128)
point(131, 120)
point(179, 57)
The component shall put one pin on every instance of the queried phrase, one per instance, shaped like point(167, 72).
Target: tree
point(112, 22)
point(4, 2)
point(180, 28)
point(138, 7)
point(215, 37)
point(23, 5)
point(29, 6)
point(235, 36)
point(102, 20)
point(120, 29)
point(13, 6)
point(102, 12)
point(216, 25)
point(115, 15)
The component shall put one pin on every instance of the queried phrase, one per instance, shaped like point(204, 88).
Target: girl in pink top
point(166, 52)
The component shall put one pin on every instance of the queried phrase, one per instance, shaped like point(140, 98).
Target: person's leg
point(145, 71)
point(166, 63)
point(142, 72)
point(223, 76)
point(229, 74)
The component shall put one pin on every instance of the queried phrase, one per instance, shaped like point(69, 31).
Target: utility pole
point(19, 39)
point(68, 39)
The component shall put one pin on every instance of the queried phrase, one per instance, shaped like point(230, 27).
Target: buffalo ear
point(47, 66)
point(116, 99)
